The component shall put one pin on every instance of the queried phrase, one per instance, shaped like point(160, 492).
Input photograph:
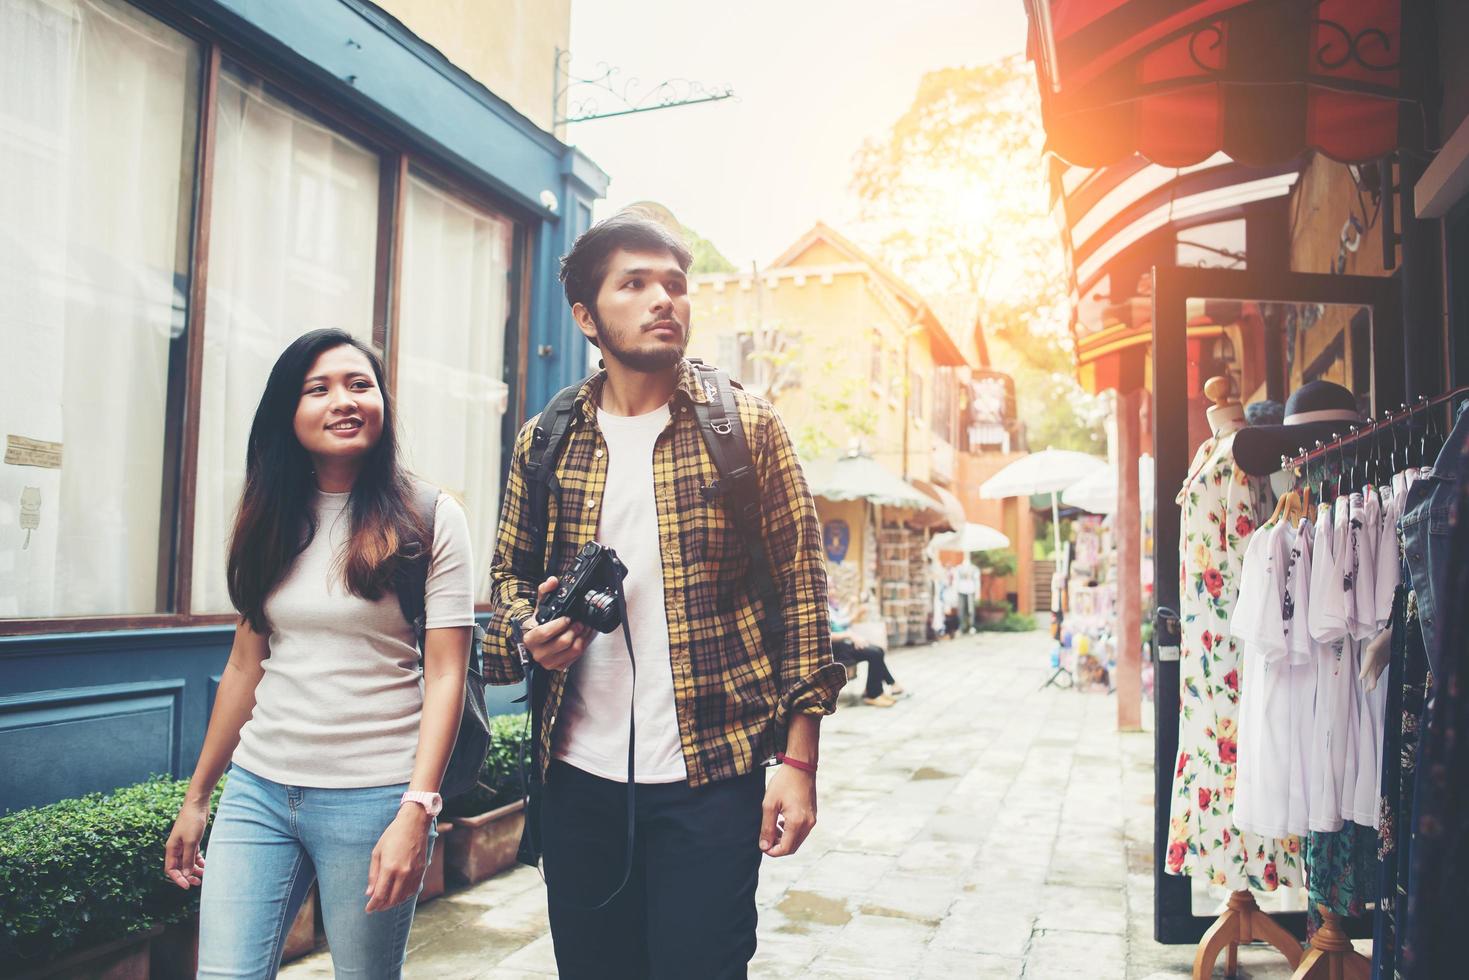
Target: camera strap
point(627, 867)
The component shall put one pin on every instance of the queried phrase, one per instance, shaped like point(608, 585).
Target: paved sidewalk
point(981, 828)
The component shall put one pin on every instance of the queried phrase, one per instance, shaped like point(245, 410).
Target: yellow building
point(851, 356)
point(854, 359)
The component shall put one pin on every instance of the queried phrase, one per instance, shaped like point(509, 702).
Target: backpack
point(738, 484)
point(472, 741)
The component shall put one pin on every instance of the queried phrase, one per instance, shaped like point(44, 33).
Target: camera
point(587, 592)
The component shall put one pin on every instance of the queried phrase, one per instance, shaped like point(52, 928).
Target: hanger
point(1434, 429)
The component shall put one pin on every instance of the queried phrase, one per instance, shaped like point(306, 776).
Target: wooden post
point(1128, 532)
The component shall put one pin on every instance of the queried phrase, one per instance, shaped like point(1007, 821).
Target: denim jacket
point(1425, 529)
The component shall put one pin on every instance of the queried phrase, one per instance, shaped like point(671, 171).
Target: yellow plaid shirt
point(732, 696)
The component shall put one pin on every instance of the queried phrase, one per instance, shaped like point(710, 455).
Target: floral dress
point(1221, 507)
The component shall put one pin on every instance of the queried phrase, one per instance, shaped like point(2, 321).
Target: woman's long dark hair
point(277, 519)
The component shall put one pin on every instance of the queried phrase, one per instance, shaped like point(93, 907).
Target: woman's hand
point(183, 862)
point(398, 859)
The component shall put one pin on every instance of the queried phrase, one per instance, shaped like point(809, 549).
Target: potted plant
point(82, 891)
point(992, 611)
point(486, 822)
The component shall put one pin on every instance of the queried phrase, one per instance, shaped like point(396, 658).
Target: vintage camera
point(587, 592)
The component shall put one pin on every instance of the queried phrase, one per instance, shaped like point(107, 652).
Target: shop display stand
point(1243, 922)
point(1331, 956)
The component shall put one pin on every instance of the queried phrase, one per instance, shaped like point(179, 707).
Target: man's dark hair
point(585, 266)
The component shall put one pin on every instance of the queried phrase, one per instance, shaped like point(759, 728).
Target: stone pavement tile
point(876, 942)
point(1066, 908)
point(782, 955)
point(535, 957)
point(885, 831)
point(844, 872)
point(922, 898)
point(970, 827)
point(995, 931)
point(1056, 954)
point(936, 857)
point(952, 964)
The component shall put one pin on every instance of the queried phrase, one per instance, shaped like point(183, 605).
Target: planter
point(122, 959)
point(433, 875)
point(302, 937)
point(176, 951)
point(992, 615)
point(485, 844)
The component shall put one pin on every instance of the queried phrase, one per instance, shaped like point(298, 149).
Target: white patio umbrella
point(1049, 472)
point(974, 537)
point(862, 478)
point(1098, 493)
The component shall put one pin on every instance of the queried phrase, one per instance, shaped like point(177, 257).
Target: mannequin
point(1220, 509)
point(1226, 414)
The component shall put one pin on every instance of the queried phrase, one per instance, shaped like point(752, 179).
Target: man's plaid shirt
point(732, 696)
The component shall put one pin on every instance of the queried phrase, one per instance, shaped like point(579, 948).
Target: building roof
point(945, 351)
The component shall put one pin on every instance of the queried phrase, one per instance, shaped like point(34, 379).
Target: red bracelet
point(786, 760)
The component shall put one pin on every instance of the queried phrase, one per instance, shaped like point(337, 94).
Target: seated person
point(848, 650)
point(951, 622)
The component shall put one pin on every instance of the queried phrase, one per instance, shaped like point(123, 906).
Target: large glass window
point(98, 105)
point(293, 248)
point(454, 313)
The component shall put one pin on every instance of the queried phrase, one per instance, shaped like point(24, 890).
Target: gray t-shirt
point(340, 701)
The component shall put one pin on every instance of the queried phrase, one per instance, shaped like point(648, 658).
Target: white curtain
point(293, 248)
point(451, 353)
point(98, 105)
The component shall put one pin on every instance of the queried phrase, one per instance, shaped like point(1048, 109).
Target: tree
point(956, 199)
point(707, 258)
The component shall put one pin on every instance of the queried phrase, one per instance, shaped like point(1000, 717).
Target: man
point(714, 698)
point(966, 584)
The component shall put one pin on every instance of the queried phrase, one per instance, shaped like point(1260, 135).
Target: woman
point(849, 650)
point(335, 743)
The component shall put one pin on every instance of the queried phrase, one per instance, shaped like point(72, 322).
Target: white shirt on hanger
point(1302, 654)
point(1262, 792)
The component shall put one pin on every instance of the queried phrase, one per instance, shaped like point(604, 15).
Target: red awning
point(1261, 80)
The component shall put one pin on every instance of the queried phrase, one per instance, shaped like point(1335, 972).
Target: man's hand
point(398, 859)
point(560, 643)
point(790, 811)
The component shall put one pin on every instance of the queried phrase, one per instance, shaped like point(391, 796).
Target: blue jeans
point(268, 844)
point(1426, 531)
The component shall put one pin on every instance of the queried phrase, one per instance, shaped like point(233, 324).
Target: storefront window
point(453, 318)
point(98, 108)
point(293, 248)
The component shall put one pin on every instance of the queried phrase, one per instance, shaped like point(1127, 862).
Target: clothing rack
point(1357, 432)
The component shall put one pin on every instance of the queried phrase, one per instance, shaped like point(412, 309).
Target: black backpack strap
point(724, 435)
point(413, 579)
point(540, 461)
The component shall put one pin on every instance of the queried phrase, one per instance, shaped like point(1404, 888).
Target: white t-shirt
point(339, 703)
point(1262, 779)
point(1302, 653)
point(591, 732)
point(1333, 736)
point(966, 579)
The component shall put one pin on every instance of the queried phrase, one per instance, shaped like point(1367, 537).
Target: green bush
point(500, 776)
point(86, 871)
point(998, 563)
point(1012, 623)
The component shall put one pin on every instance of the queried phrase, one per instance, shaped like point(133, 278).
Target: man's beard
point(645, 361)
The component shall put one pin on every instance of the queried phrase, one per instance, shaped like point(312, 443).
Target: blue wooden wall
point(94, 711)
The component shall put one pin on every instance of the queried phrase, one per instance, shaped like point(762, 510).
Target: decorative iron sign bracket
point(583, 98)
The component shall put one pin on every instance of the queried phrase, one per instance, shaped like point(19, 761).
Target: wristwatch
point(431, 802)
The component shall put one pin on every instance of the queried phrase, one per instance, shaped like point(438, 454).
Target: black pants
point(849, 654)
point(689, 909)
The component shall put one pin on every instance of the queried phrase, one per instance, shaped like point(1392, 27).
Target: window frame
point(396, 156)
